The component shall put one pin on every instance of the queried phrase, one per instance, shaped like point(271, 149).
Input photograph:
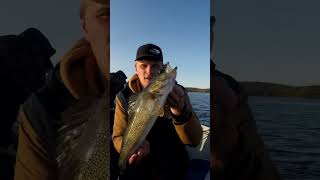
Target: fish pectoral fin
point(132, 101)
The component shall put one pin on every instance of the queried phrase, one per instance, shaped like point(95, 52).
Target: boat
point(200, 157)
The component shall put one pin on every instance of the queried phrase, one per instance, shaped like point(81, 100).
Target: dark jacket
point(76, 76)
point(167, 139)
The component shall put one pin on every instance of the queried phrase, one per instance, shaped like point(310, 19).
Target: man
point(163, 154)
point(237, 150)
point(25, 60)
point(83, 71)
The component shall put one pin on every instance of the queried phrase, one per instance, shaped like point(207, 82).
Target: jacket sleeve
point(120, 124)
point(32, 159)
point(188, 126)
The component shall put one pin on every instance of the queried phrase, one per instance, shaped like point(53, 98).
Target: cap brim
point(148, 58)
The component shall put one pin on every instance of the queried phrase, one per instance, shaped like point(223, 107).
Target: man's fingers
point(140, 153)
point(146, 148)
point(133, 158)
point(175, 97)
point(171, 101)
point(178, 90)
point(176, 101)
point(177, 94)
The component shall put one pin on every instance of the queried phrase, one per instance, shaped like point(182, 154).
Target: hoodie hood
point(79, 71)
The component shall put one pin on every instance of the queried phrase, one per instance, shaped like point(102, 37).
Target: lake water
point(201, 105)
point(290, 128)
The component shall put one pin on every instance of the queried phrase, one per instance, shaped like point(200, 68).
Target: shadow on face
point(147, 70)
point(96, 26)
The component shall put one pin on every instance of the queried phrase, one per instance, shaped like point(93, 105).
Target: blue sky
point(180, 28)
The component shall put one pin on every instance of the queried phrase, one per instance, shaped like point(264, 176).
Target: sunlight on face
point(147, 70)
point(96, 25)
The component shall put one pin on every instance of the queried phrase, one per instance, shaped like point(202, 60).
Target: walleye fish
point(84, 140)
point(143, 110)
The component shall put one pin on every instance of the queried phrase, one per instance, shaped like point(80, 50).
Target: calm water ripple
point(290, 128)
point(201, 105)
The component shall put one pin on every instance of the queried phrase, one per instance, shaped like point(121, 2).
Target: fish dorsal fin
point(163, 68)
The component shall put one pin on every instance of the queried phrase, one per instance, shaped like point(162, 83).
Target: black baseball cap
point(149, 52)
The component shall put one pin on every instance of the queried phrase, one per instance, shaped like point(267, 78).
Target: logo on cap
point(155, 51)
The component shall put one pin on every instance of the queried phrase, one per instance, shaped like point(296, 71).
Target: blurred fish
point(84, 140)
point(143, 110)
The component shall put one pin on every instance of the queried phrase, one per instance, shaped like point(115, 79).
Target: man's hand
point(177, 100)
point(140, 153)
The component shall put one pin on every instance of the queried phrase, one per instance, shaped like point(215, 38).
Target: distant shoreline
point(272, 90)
point(280, 90)
point(192, 89)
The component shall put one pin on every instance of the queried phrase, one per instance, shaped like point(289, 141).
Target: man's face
point(147, 70)
point(96, 25)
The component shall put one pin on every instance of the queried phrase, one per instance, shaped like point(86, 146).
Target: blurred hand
point(177, 100)
point(143, 151)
